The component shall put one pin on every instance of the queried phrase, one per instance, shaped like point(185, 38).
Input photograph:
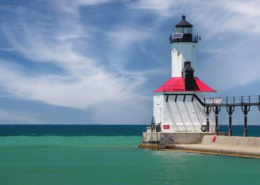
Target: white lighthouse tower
point(179, 103)
point(183, 47)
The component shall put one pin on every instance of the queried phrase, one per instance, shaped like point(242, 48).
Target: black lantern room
point(183, 32)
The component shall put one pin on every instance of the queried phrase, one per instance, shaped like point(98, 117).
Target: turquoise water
point(113, 159)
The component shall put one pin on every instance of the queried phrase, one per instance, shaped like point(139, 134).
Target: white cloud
point(165, 8)
point(236, 66)
point(229, 31)
point(248, 8)
point(123, 37)
point(92, 2)
point(72, 6)
point(220, 15)
point(78, 91)
point(82, 82)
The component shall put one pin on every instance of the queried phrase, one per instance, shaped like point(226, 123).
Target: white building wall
point(181, 116)
point(158, 108)
point(181, 52)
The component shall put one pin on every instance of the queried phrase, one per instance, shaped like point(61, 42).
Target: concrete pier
point(203, 143)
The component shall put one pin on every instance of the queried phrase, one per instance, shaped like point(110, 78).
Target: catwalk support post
point(207, 110)
point(216, 110)
point(245, 109)
point(230, 110)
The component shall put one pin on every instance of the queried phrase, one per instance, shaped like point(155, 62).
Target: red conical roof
point(177, 84)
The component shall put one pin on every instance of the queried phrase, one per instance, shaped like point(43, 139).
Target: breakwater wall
point(203, 143)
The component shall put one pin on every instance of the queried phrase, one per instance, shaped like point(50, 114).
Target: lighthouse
point(186, 111)
point(178, 105)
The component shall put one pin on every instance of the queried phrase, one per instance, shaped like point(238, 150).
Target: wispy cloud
point(221, 15)
point(83, 82)
point(18, 117)
point(162, 8)
point(229, 27)
point(7, 49)
point(124, 37)
point(91, 73)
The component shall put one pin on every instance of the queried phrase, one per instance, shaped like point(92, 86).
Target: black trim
point(199, 100)
point(192, 98)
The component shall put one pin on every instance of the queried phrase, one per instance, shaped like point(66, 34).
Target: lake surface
point(31, 155)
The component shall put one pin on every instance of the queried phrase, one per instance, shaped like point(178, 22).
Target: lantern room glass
point(185, 30)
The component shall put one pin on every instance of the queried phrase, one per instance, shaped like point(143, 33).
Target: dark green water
point(112, 159)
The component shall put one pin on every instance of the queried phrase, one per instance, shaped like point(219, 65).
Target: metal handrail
point(200, 96)
point(236, 100)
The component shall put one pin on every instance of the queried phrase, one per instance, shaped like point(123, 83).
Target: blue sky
point(98, 61)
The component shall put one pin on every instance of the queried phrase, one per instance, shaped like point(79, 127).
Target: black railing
point(215, 104)
point(245, 102)
point(200, 96)
point(234, 101)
